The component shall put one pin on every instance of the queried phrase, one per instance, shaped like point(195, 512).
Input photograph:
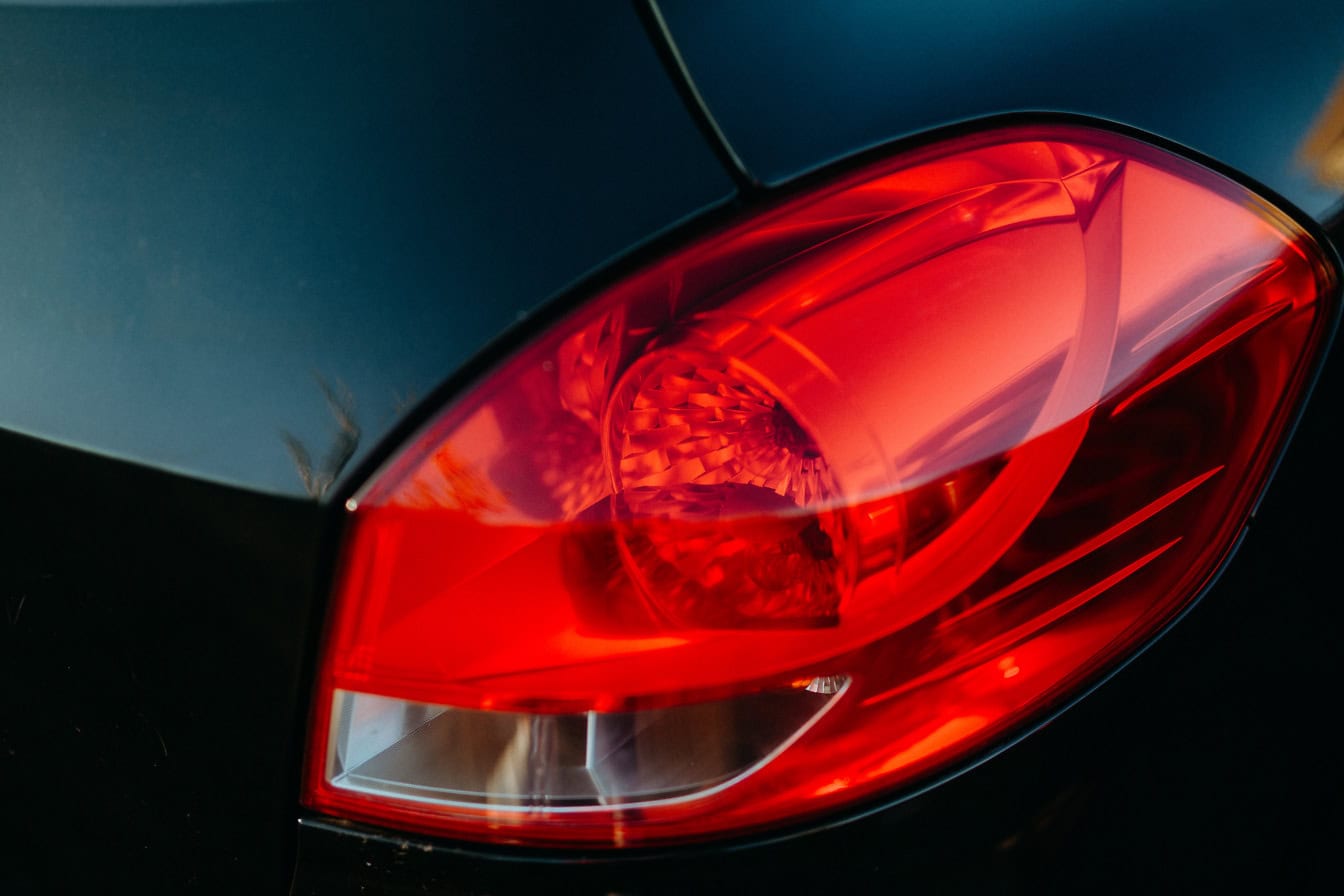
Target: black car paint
point(160, 628)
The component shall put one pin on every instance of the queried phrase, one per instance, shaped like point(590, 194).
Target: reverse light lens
point(390, 747)
point(825, 501)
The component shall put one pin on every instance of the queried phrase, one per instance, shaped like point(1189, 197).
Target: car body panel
point(797, 86)
point(211, 211)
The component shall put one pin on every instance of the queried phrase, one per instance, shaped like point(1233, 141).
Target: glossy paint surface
point(796, 85)
point(150, 675)
point(210, 215)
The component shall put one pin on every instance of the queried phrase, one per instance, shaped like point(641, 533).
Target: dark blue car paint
point(205, 212)
point(796, 85)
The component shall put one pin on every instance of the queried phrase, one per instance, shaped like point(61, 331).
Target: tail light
point(822, 502)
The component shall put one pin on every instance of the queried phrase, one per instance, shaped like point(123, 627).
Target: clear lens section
point(386, 747)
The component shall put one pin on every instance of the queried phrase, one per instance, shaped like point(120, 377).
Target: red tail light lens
point(822, 502)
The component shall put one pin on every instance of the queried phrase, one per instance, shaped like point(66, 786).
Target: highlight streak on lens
point(1092, 544)
point(1012, 637)
point(1238, 282)
point(1244, 327)
point(942, 737)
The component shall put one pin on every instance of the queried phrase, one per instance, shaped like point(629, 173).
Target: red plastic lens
point(821, 502)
